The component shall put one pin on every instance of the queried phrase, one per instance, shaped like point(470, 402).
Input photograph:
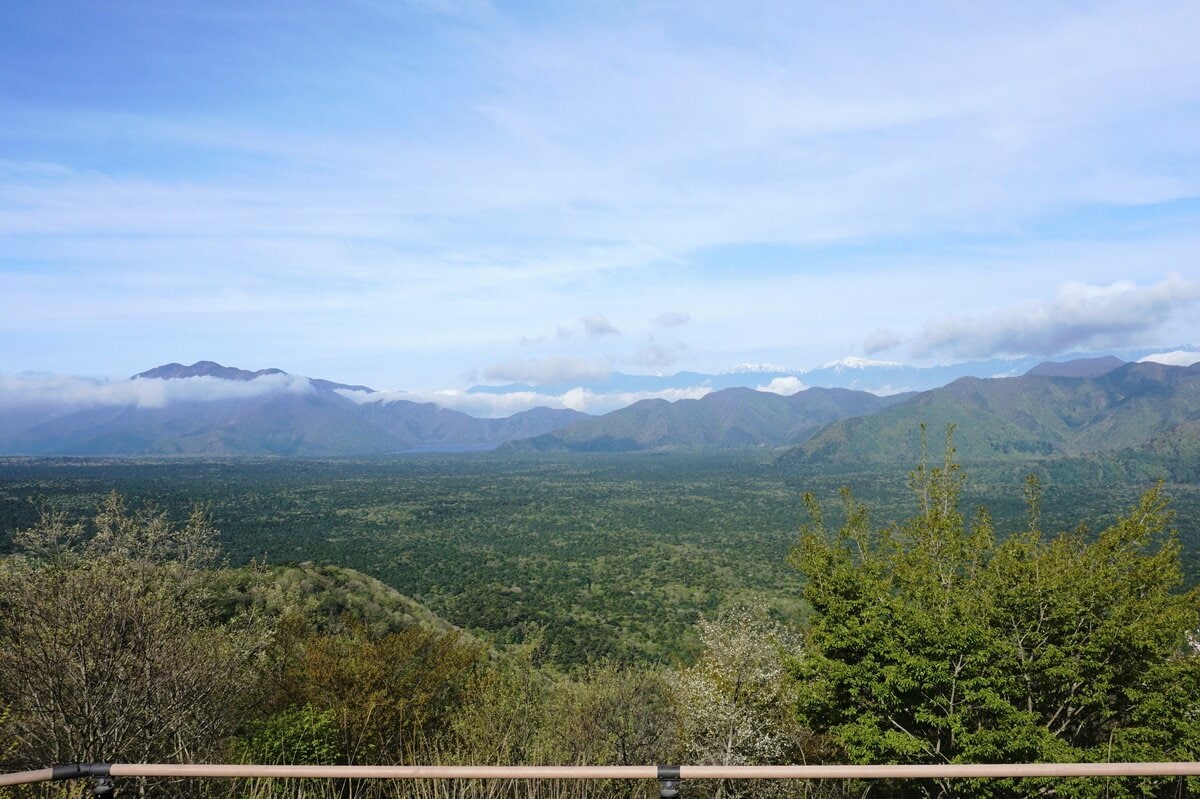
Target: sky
point(423, 196)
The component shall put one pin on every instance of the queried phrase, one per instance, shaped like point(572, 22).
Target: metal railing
point(668, 776)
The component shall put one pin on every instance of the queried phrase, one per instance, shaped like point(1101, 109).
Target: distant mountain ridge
point(1056, 408)
point(860, 374)
point(177, 371)
point(1081, 367)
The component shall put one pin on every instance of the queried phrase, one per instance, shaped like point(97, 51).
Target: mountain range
point(860, 374)
point(735, 418)
point(1069, 407)
point(225, 411)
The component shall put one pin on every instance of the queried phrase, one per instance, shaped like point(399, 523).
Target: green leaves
point(932, 642)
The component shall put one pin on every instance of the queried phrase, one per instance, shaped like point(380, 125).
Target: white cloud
point(1176, 358)
point(82, 392)
point(784, 385)
point(1079, 316)
point(554, 369)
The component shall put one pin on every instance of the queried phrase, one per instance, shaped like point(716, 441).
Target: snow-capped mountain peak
point(852, 362)
point(755, 368)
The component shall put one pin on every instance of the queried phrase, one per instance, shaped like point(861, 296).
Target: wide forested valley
point(603, 608)
point(614, 555)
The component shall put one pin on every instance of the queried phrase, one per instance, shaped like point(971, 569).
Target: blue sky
point(424, 195)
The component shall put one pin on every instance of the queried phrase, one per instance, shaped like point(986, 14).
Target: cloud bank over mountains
point(554, 383)
point(72, 391)
point(494, 405)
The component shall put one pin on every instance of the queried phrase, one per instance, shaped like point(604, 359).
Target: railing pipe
point(827, 772)
point(27, 777)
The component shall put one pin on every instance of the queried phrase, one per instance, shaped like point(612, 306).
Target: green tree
point(932, 642)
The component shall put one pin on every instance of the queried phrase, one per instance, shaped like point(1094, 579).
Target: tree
point(107, 648)
point(611, 714)
point(734, 701)
point(932, 642)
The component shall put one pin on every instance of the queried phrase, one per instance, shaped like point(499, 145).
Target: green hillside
point(328, 598)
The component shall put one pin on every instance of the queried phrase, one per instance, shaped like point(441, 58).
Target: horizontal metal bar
point(945, 770)
point(389, 772)
point(27, 777)
point(847, 772)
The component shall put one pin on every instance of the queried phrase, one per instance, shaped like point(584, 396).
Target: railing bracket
point(668, 782)
point(103, 788)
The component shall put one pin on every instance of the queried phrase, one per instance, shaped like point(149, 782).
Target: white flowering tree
point(736, 702)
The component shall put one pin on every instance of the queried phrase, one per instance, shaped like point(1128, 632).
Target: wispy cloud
point(671, 319)
point(657, 355)
point(1079, 316)
point(596, 325)
point(1176, 358)
point(881, 340)
point(460, 174)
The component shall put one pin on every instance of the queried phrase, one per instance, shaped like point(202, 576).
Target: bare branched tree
point(108, 651)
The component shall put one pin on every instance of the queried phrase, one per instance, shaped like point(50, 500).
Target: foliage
point(614, 556)
point(385, 696)
point(613, 715)
point(969, 640)
point(295, 735)
point(329, 599)
point(933, 642)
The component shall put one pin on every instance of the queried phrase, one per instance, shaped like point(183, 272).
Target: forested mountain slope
point(1023, 416)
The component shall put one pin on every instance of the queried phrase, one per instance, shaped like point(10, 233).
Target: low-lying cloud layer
point(82, 392)
point(1080, 316)
point(1176, 358)
point(490, 405)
